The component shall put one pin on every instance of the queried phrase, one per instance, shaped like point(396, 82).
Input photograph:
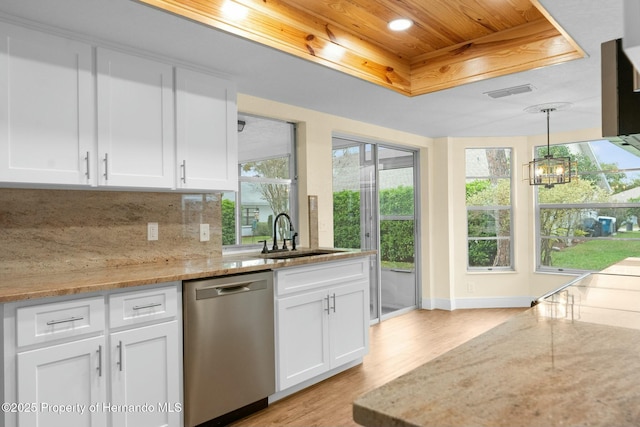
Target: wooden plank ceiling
point(452, 42)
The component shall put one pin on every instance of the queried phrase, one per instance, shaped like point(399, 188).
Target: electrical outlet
point(152, 231)
point(471, 287)
point(204, 232)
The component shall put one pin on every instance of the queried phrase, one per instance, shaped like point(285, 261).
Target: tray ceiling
point(452, 42)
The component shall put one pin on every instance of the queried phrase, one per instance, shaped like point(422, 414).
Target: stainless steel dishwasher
point(229, 355)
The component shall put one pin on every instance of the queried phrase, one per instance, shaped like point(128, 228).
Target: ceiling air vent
point(501, 93)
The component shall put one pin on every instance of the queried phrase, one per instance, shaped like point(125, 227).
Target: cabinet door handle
point(87, 160)
point(183, 170)
point(119, 355)
point(70, 319)
point(99, 368)
point(334, 302)
point(328, 310)
point(140, 307)
point(106, 166)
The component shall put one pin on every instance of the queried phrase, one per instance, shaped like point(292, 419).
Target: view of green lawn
point(248, 240)
point(596, 255)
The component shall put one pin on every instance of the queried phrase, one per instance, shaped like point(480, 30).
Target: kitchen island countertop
point(571, 360)
point(29, 286)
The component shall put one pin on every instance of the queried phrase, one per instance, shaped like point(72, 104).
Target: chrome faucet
point(275, 236)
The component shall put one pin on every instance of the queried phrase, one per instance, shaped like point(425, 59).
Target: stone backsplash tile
point(60, 230)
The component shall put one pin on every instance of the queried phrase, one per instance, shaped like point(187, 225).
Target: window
point(488, 201)
point(591, 222)
point(266, 174)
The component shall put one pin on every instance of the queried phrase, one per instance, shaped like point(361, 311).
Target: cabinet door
point(303, 337)
point(145, 372)
point(71, 374)
point(135, 121)
point(349, 318)
point(46, 108)
point(207, 135)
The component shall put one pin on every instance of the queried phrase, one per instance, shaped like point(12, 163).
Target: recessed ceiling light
point(400, 24)
point(234, 11)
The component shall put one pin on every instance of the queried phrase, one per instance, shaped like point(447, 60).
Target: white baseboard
point(486, 302)
point(437, 304)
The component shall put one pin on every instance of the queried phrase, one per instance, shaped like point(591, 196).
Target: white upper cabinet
point(206, 126)
point(46, 108)
point(135, 121)
point(51, 96)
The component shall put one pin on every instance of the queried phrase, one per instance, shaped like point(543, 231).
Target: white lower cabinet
point(322, 318)
point(303, 337)
point(144, 375)
point(58, 384)
point(65, 365)
point(349, 322)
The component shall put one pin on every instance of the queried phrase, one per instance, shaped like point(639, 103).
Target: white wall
point(445, 278)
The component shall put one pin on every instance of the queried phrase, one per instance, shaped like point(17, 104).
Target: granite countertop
point(29, 286)
point(572, 360)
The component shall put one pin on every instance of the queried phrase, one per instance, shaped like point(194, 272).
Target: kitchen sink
point(300, 253)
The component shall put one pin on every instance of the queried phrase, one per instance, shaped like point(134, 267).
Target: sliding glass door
point(397, 201)
point(374, 208)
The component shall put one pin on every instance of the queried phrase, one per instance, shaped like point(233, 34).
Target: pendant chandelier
point(549, 170)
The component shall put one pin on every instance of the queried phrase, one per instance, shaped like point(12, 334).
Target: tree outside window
point(265, 170)
point(488, 200)
point(591, 222)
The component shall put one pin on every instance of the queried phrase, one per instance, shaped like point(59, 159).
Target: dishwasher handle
point(232, 288)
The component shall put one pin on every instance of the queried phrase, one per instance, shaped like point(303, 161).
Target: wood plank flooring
point(397, 346)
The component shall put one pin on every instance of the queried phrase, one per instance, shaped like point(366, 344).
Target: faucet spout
point(275, 227)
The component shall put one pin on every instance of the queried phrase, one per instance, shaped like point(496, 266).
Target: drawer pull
point(70, 319)
point(140, 307)
point(106, 166)
point(119, 355)
point(88, 173)
point(99, 368)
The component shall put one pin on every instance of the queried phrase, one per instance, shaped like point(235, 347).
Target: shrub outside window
point(591, 222)
point(488, 205)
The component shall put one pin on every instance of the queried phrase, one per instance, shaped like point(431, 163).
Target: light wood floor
point(397, 346)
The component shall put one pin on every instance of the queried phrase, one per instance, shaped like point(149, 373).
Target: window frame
point(292, 181)
point(593, 206)
point(476, 208)
point(560, 206)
